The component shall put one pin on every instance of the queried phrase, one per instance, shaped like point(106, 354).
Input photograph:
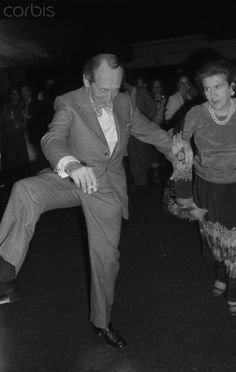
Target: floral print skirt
point(218, 227)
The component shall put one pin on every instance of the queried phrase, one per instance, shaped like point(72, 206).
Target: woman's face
point(183, 85)
point(217, 91)
point(157, 88)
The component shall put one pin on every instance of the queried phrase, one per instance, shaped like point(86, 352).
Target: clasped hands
point(183, 155)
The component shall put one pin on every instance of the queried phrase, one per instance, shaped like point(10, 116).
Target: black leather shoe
point(9, 292)
point(111, 336)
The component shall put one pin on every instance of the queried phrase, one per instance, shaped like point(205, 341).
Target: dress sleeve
point(191, 122)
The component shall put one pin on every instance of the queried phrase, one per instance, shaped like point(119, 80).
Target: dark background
point(73, 31)
point(79, 28)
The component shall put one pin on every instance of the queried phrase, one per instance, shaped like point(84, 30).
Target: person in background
point(178, 99)
point(85, 146)
point(138, 152)
point(14, 150)
point(46, 96)
point(212, 125)
point(32, 113)
point(158, 94)
point(142, 81)
point(160, 99)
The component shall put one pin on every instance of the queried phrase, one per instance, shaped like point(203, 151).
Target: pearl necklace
point(228, 117)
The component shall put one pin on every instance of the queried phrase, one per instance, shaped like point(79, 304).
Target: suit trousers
point(32, 196)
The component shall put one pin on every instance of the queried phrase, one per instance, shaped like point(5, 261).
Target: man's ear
point(86, 82)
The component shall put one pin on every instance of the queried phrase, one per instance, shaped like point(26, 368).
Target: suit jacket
point(75, 131)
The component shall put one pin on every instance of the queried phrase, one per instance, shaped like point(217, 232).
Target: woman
point(159, 97)
point(139, 152)
point(160, 100)
point(15, 157)
point(179, 98)
point(213, 127)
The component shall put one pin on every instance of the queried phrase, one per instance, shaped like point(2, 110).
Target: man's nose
point(109, 95)
point(213, 94)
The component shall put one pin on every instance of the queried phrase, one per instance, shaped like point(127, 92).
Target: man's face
point(106, 85)
point(14, 96)
point(26, 93)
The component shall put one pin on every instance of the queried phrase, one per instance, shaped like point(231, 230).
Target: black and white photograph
point(117, 186)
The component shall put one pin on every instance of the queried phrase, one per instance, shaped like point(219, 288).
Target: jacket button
point(106, 154)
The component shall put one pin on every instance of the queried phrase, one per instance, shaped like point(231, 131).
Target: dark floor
point(163, 303)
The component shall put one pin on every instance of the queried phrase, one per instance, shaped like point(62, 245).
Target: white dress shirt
point(107, 124)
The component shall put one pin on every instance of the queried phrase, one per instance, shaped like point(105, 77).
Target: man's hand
point(85, 178)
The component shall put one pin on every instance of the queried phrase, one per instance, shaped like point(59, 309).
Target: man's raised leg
point(29, 198)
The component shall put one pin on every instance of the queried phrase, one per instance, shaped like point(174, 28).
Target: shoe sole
point(232, 308)
point(217, 292)
point(218, 289)
point(98, 333)
point(9, 299)
point(232, 311)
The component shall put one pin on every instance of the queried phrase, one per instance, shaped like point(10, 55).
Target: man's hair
point(90, 68)
point(26, 84)
point(215, 67)
point(181, 74)
point(12, 88)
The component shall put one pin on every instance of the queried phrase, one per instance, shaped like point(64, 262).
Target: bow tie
point(99, 107)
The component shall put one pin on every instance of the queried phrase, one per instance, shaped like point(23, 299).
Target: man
point(139, 153)
point(31, 112)
point(35, 121)
point(86, 142)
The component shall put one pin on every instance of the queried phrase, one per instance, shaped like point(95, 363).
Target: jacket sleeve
point(148, 131)
point(54, 143)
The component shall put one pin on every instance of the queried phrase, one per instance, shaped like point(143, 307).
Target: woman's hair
point(215, 67)
point(94, 63)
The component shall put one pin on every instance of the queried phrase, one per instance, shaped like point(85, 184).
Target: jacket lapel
point(118, 131)
point(120, 121)
point(84, 108)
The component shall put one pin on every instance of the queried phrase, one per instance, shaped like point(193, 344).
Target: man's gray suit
point(75, 131)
